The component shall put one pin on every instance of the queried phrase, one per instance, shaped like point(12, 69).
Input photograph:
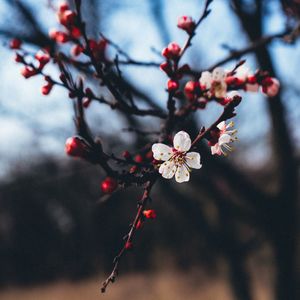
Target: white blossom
point(215, 82)
point(225, 138)
point(242, 72)
point(177, 160)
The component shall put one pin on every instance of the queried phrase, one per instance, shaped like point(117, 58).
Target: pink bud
point(172, 51)
point(270, 86)
point(186, 23)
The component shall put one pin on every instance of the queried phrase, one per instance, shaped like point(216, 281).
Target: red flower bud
point(67, 18)
point(126, 154)
point(19, 58)
point(149, 155)
point(138, 158)
point(59, 36)
point(109, 185)
point(76, 50)
point(72, 94)
point(76, 147)
point(191, 87)
point(186, 23)
point(128, 245)
point(172, 51)
point(173, 85)
point(86, 102)
point(166, 67)
point(139, 224)
point(46, 89)
point(28, 72)
point(15, 44)
point(149, 214)
point(63, 6)
point(252, 79)
point(133, 169)
point(75, 32)
point(89, 93)
point(43, 58)
point(92, 44)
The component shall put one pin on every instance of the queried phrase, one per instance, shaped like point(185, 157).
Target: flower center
point(179, 158)
point(217, 87)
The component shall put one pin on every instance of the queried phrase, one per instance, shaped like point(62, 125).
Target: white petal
point(161, 151)
point(221, 90)
point(182, 174)
point(242, 72)
point(182, 141)
point(206, 79)
point(218, 74)
point(216, 149)
point(193, 160)
point(167, 169)
point(224, 139)
point(222, 126)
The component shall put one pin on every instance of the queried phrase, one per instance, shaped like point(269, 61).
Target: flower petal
point(161, 151)
point(167, 169)
point(218, 74)
point(182, 141)
point(193, 160)
point(182, 174)
point(220, 90)
point(216, 149)
point(242, 72)
point(206, 79)
point(224, 139)
point(222, 126)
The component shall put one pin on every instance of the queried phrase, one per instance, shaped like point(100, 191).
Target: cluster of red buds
point(42, 58)
point(173, 52)
point(73, 33)
point(69, 20)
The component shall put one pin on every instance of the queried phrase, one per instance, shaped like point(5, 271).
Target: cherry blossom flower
point(177, 160)
point(242, 72)
point(225, 137)
point(215, 82)
point(270, 86)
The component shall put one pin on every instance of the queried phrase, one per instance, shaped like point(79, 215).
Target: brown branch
point(130, 235)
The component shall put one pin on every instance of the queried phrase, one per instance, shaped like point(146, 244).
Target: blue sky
point(32, 124)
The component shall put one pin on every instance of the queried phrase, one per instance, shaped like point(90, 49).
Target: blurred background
point(232, 232)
